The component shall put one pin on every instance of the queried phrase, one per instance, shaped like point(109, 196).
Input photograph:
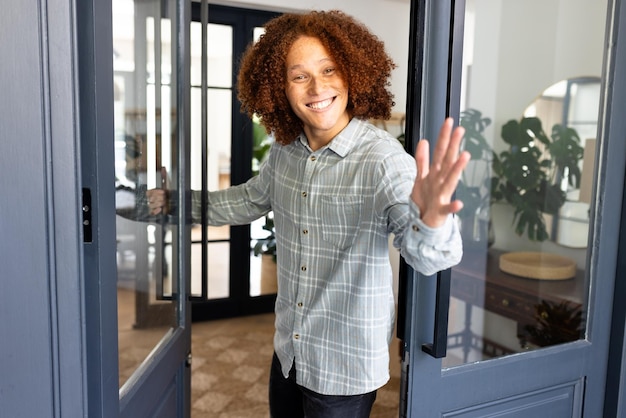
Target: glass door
point(525, 314)
point(229, 278)
point(152, 251)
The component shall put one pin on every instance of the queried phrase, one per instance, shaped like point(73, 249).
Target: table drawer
point(510, 305)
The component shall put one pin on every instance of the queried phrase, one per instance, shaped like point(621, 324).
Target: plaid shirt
point(334, 209)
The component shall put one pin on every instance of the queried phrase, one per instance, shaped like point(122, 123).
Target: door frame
point(96, 157)
point(425, 388)
point(238, 302)
point(614, 402)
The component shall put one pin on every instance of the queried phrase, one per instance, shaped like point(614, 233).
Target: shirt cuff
point(429, 235)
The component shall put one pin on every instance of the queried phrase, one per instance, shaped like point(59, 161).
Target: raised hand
point(435, 183)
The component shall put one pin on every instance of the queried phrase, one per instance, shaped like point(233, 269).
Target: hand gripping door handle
point(438, 347)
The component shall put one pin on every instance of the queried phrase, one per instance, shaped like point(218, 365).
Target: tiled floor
point(230, 370)
point(230, 367)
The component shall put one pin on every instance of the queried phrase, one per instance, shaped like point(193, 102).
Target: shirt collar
point(345, 140)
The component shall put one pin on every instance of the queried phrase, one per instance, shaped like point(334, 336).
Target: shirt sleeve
point(236, 205)
point(429, 250)
point(426, 249)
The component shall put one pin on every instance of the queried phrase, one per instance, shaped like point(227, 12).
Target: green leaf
point(473, 140)
point(532, 129)
point(471, 198)
point(566, 152)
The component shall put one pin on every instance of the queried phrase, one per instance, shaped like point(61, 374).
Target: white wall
point(561, 39)
point(388, 19)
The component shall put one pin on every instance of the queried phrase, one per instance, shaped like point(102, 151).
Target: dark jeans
point(290, 400)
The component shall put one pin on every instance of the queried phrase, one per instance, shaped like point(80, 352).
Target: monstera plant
point(476, 183)
point(530, 174)
point(534, 171)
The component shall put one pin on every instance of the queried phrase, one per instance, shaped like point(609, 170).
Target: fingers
point(457, 167)
point(448, 144)
point(436, 182)
point(422, 157)
point(447, 163)
point(156, 200)
point(443, 140)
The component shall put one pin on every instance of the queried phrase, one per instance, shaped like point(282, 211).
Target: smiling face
point(316, 91)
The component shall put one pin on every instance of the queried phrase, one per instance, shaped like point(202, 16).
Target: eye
point(298, 78)
point(330, 70)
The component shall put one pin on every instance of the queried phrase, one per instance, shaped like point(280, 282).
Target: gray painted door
point(525, 330)
point(135, 133)
point(150, 41)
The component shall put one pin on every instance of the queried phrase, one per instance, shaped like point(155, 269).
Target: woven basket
point(538, 265)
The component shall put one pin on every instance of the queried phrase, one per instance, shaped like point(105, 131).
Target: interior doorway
point(226, 273)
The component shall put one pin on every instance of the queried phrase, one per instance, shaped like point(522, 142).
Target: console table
point(478, 281)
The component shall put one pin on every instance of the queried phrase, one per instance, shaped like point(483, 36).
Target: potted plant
point(556, 323)
point(534, 171)
point(261, 144)
point(531, 175)
point(264, 247)
point(267, 245)
point(476, 183)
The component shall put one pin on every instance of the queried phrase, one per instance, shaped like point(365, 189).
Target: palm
point(435, 183)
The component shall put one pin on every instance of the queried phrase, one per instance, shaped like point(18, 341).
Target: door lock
point(86, 209)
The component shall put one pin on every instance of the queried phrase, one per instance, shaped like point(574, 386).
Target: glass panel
point(530, 105)
point(218, 152)
point(219, 53)
point(145, 120)
point(219, 119)
point(263, 274)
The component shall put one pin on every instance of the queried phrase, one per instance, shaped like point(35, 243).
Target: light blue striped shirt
point(334, 209)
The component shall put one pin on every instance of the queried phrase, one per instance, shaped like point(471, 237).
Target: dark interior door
point(226, 275)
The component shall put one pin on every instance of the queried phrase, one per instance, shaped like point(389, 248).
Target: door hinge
point(87, 221)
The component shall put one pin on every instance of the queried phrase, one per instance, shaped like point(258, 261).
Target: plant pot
point(477, 232)
point(269, 276)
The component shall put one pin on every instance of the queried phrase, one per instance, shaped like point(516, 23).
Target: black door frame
point(239, 302)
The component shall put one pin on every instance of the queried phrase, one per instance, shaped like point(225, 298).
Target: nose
point(316, 84)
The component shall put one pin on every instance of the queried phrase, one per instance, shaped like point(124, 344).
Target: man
point(338, 186)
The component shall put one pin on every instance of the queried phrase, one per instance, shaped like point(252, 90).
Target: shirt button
point(296, 336)
point(300, 304)
point(416, 228)
point(303, 268)
point(304, 194)
point(313, 158)
point(305, 231)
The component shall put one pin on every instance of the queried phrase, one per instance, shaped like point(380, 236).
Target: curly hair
point(360, 57)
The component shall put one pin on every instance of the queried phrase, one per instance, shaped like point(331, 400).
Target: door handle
point(438, 347)
point(162, 269)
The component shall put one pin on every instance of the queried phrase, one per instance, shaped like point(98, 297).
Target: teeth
point(321, 105)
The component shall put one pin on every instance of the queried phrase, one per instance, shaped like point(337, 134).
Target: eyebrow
point(298, 66)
